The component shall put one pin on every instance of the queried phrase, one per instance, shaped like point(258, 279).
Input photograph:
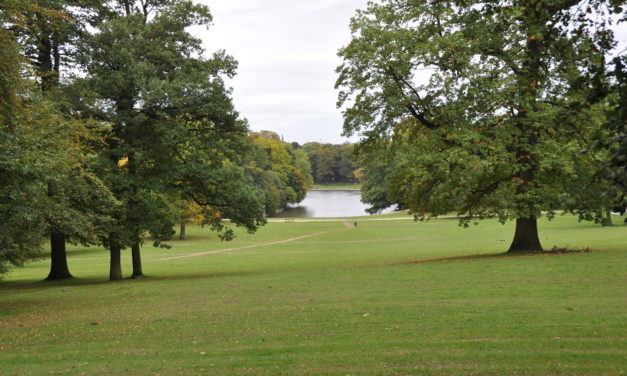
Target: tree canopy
point(173, 125)
point(331, 163)
point(486, 107)
point(98, 153)
point(280, 171)
point(46, 185)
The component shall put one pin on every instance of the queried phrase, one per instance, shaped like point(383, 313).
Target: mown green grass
point(384, 297)
point(335, 187)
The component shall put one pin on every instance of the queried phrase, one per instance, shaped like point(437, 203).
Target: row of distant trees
point(331, 163)
point(280, 171)
point(115, 125)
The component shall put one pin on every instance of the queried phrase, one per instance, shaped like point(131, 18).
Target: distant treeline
point(284, 171)
point(280, 171)
point(331, 163)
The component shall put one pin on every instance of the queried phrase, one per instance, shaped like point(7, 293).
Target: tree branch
point(401, 82)
point(504, 57)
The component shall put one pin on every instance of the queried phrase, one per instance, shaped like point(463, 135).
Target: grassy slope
point(393, 297)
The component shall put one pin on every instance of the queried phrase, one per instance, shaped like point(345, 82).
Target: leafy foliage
point(98, 158)
point(331, 163)
point(616, 126)
point(483, 107)
point(282, 172)
point(45, 179)
point(173, 126)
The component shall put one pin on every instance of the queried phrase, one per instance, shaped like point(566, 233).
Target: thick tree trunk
point(58, 258)
point(531, 77)
point(608, 217)
point(137, 261)
point(182, 232)
point(48, 61)
point(115, 269)
point(526, 237)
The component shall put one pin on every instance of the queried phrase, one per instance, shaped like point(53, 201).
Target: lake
point(319, 204)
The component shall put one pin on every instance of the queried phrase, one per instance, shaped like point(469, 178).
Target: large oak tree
point(487, 107)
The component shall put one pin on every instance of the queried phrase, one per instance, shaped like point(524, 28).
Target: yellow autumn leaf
point(123, 162)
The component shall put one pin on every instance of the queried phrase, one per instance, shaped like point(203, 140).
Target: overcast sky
point(287, 53)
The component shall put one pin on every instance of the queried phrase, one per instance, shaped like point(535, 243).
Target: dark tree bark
point(56, 55)
point(115, 269)
point(526, 237)
point(58, 258)
point(48, 63)
point(45, 63)
point(182, 232)
point(58, 255)
point(127, 7)
point(137, 261)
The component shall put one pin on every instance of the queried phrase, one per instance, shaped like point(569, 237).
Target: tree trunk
point(608, 217)
point(45, 63)
point(127, 7)
point(526, 237)
point(137, 261)
point(115, 269)
point(182, 232)
point(48, 62)
point(58, 258)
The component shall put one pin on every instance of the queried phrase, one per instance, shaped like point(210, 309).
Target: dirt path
point(347, 226)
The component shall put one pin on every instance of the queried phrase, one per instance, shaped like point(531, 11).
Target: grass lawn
point(335, 187)
point(328, 298)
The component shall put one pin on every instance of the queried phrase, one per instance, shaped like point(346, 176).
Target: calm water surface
point(319, 204)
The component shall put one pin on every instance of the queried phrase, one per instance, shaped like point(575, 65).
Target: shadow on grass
point(55, 291)
point(78, 252)
point(91, 281)
point(477, 257)
point(437, 259)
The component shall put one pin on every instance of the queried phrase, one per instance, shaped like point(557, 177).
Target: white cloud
point(287, 53)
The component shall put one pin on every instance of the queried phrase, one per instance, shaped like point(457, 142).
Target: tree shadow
point(478, 257)
point(73, 252)
point(95, 281)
